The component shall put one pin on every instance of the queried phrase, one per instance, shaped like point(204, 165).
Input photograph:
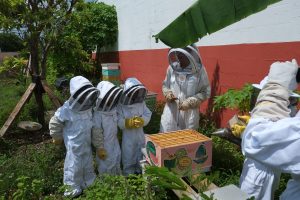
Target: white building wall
point(140, 19)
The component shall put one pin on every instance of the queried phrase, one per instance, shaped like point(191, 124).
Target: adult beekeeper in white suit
point(185, 87)
point(72, 124)
point(133, 115)
point(271, 139)
point(105, 120)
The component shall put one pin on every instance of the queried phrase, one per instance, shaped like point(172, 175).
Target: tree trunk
point(38, 92)
point(98, 63)
point(34, 53)
point(44, 61)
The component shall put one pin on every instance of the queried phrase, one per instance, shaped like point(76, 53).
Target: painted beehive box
point(183, 152)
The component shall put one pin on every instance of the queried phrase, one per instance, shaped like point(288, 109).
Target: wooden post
point(56, 101)
point(26, 96)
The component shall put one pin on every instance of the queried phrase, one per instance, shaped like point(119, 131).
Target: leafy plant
point(9, 96)
point(207, 125)
point(68, 58)
point(162, 177)
point(99, 27)
point(185, 197)
point(206, 197)
point(228, 160)
point(34, 169)
point(235, 99)
point(71, 52)
point(10, 42)
point(121, 187)
point(154, 124)
point(28, 189)
point(16, 67)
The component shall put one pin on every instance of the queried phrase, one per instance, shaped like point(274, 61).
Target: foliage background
point(10, 42)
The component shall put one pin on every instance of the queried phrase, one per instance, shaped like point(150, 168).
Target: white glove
point(170, 97)
point(284, 73)
point(189, 103)
point(56, 129)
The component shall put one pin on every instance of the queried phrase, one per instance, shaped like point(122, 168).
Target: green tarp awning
point(208, 16)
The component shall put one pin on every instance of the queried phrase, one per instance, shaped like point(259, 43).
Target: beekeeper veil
point(83, 94)
point(134, 92)
point(185, 60)
point(109, 96)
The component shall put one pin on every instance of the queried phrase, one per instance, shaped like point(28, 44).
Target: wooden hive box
point(111, 72)
point(184, 152)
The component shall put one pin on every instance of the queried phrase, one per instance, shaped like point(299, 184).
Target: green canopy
point(208, 16)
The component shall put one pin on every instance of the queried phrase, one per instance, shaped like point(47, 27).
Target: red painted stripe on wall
point(228, 66)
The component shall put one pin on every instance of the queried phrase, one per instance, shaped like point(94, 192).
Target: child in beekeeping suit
point(133, 115)
point(72, 124)
point(105, 120)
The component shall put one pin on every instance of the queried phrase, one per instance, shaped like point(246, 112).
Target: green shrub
point(10, 94)
point(154, 124)
point(206, 124)
point(133, 187)
point(10, 42)
point(35, 169)
point(28, 189)
point(235, 99)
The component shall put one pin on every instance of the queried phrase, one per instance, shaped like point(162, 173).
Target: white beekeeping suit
point(186, 85)
point(271, 139)
point(133, 115)
point(105, 120)
point(72, 124)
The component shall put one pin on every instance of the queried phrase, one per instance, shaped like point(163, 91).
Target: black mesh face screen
point(85, 100)
point(105, 98)
point(118, 95)
point(298, 76)
point(90, 102)
point(110, 99)
point(78, 92)
point(127, 95)
point(139, 96)
point(82, 98)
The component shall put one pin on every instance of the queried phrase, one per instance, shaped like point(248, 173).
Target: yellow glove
point(244, 118)
point(237, 130)
point(138, 122)
point(101, 153)
point(129, 123)
point(57, 141)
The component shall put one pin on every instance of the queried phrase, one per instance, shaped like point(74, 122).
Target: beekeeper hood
point(134, 92)
point(83, 94)
point(185, 60)
point(109, 96)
